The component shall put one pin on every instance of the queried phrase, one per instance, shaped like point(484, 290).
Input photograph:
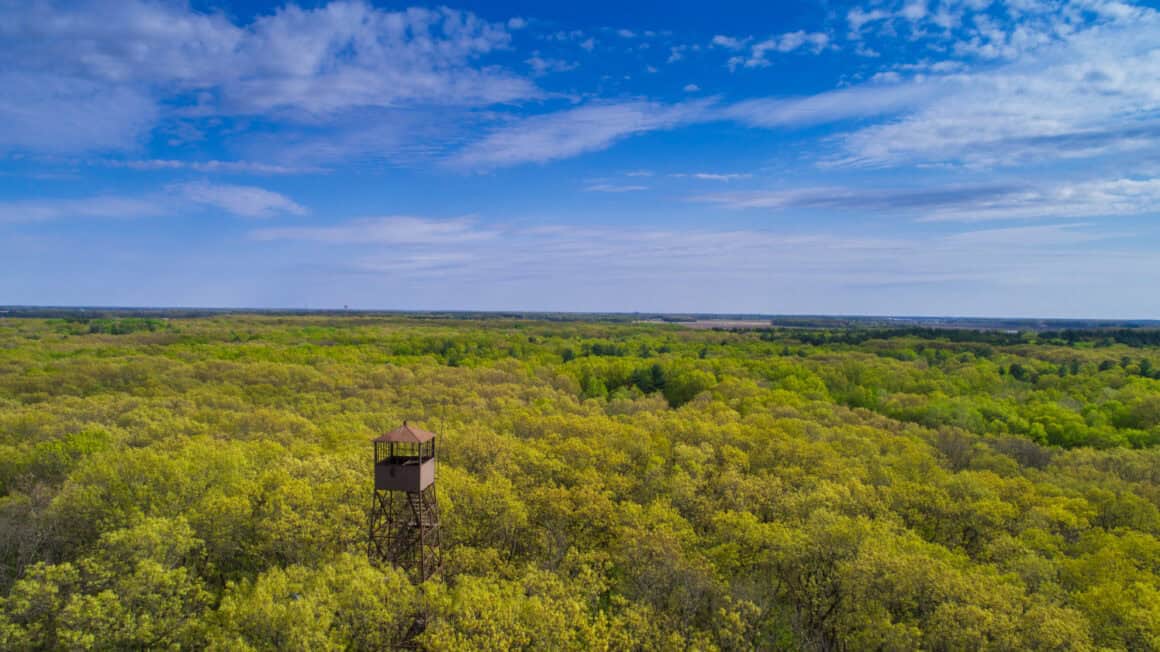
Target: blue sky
point(937, 157)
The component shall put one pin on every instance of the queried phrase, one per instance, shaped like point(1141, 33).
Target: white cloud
point(928, 66)
point(99, 207)
point(788, 42)
point(1031, 236)
point(609, 187)
point(983, 29)
point(711, 176)
point(962, 203)
point(867, 101)
point(1093, 94)
point(938, 112)
point(814, 41)
point(574, 268)
point(483, 254)
point(348, 81)
point(1110, 197)
point(595, 127)
point(83, 77)
point(729, 42)
point(914, 10)
point(625, 33)
point(375, 137)
point(543, 66)
point(246, 201)
point(349, 54)
point(224, 167)
point(126, 42)
point(90, 75)
point(414, 263)
point(574, 131)
point(856, 18)
point(855, 200)
point(178, 199)
point(60, 114)
point(392, 230)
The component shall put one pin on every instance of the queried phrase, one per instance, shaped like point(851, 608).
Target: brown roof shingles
point(406, 434)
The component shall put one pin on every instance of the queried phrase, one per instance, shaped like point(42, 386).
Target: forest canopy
point(204, 483)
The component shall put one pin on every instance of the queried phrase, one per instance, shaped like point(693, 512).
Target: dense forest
point(204, 483)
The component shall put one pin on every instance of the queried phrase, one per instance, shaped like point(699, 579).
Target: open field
point(204, 483)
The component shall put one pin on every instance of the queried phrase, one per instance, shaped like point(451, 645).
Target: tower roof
point(406, 434)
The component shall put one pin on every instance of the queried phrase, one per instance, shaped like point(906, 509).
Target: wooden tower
point(404, 523)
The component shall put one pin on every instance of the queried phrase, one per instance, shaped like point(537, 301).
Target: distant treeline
point(856, 336)
point(1100, 337)
point(1129, 336)
point(909, 325)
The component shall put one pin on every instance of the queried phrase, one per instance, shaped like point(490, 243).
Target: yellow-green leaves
point(602, 487)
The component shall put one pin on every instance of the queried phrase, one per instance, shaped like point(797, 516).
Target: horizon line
point(4, 308)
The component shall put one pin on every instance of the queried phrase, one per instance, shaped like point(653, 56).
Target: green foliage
point(125, 326)
point(203, 483)
point(139, 589)
point(342, 604)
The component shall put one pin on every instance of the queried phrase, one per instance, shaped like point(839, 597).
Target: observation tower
point(404, 523)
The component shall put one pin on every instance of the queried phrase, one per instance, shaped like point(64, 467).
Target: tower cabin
point(405, 459)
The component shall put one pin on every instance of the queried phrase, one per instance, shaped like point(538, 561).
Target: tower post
point(404, 519)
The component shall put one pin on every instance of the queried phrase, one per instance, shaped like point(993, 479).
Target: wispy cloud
point(222, 167)
point(76, 84)
point(1013, 113)
point(857, 18)
point(962, 203)
point(594, 127)
point(1109, 197)
point(64, 114)
point(1032, 236)
point(245, 201)
point(678, 52)
point(99, 207)
point(860, 199)
point(394, 137)
point(350, 54)
point(574, 131)
point(542, 65)
point(609, 187)
point(981, 30)
point(395, 229)
point(486, 266)
point(178, 199)
point(729, 42)
point(759, 52)
point(858, 102)
point(711, 176)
